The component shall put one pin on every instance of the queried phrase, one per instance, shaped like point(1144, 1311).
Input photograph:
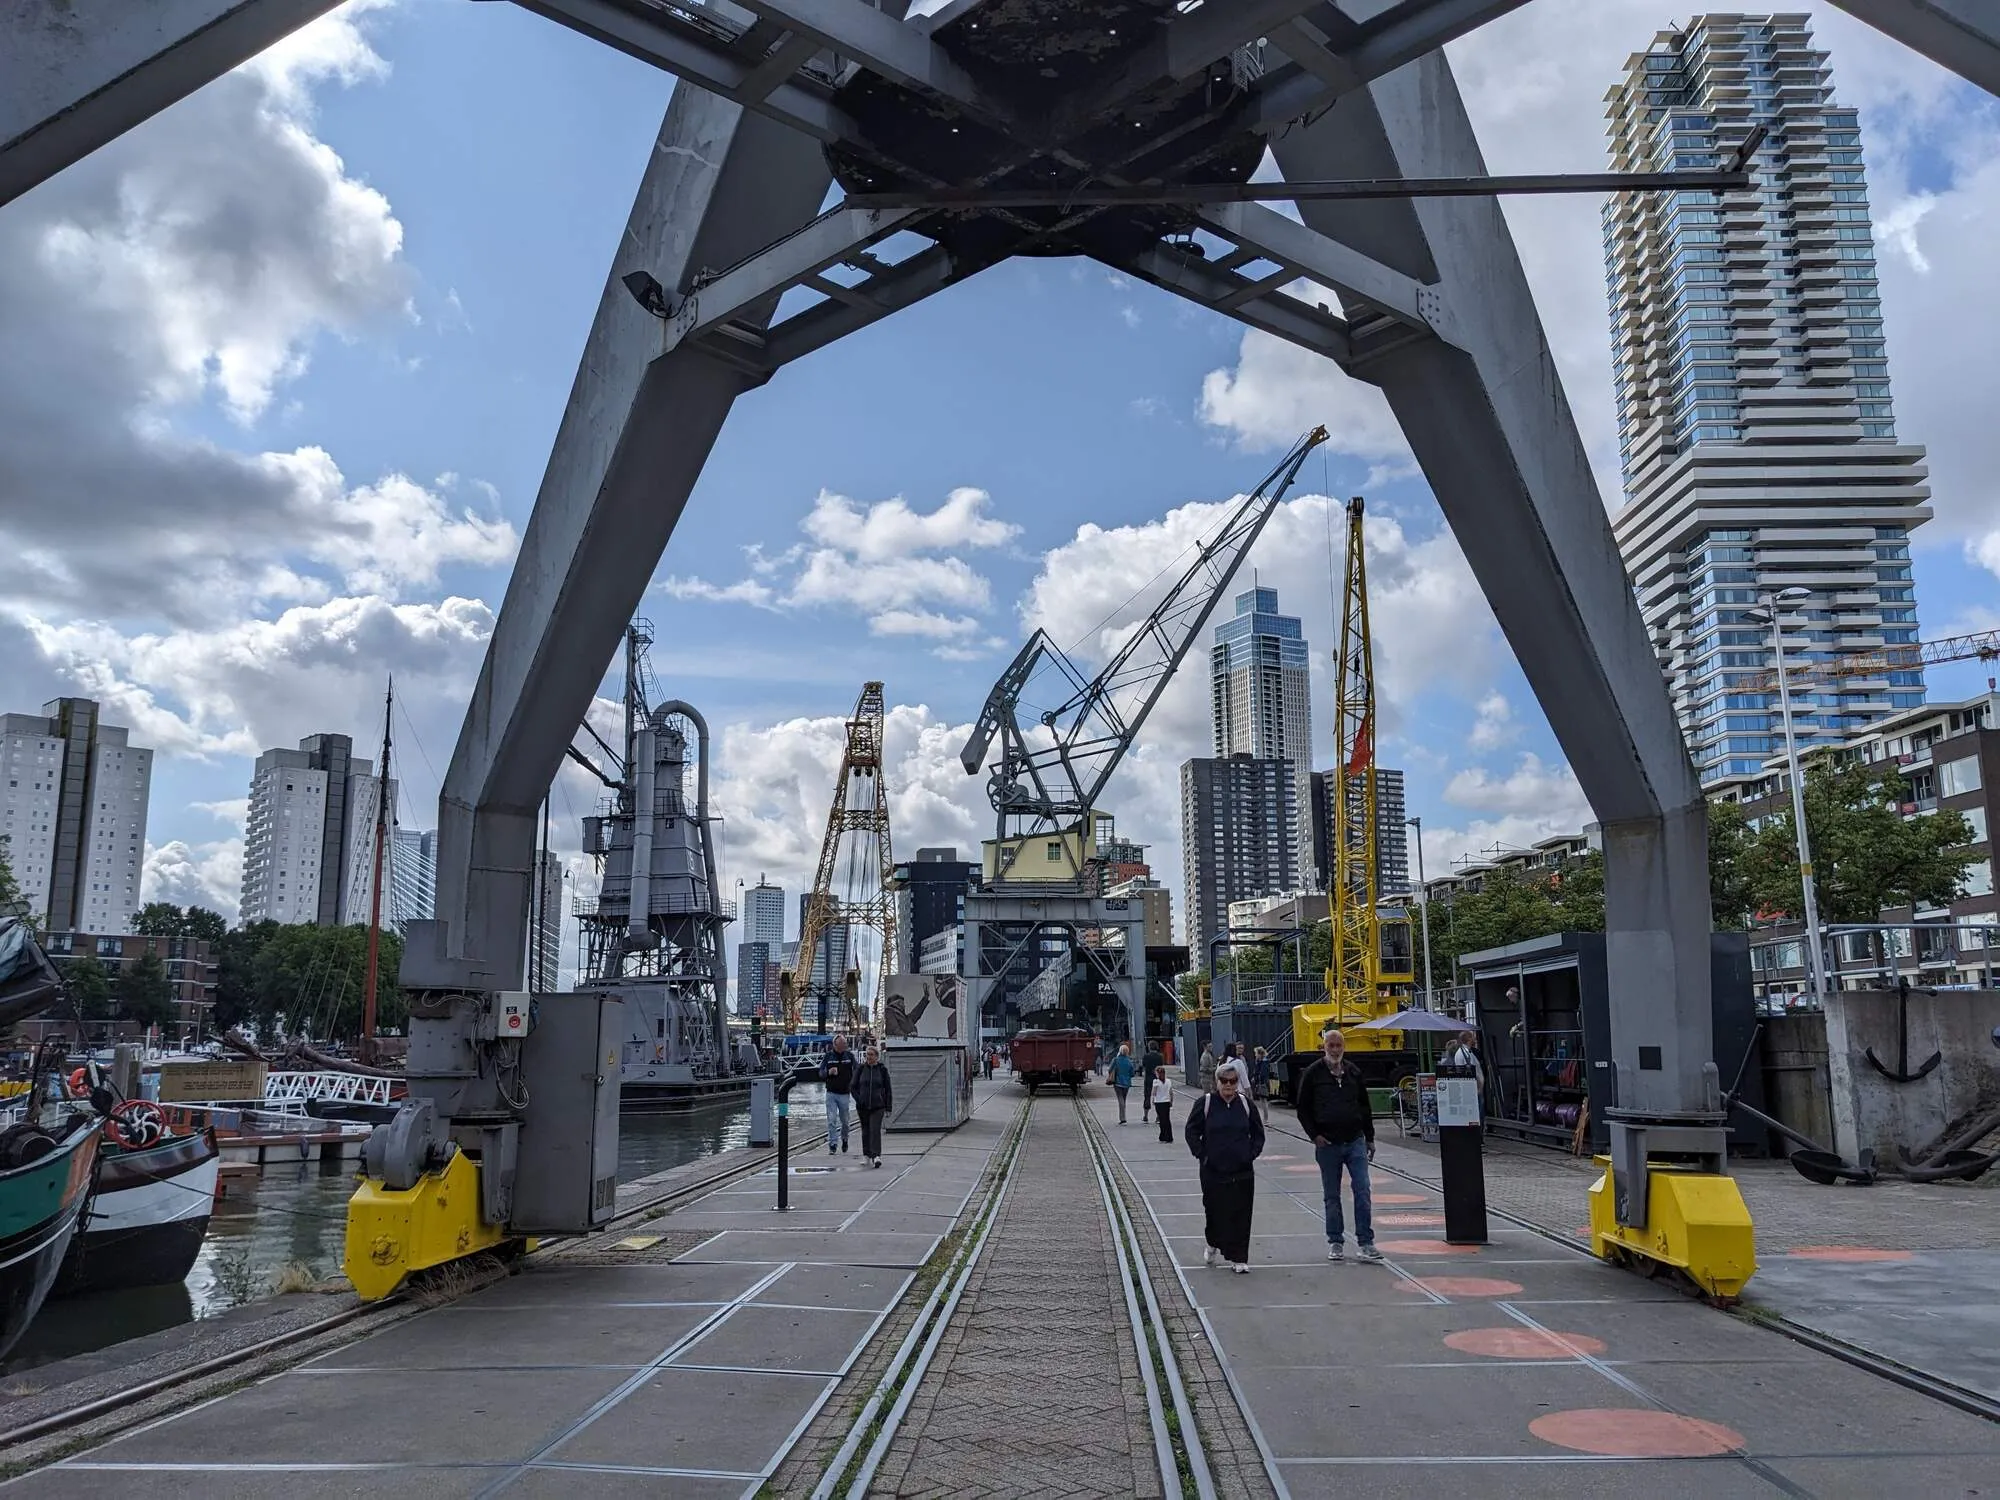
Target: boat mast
point(375, 894)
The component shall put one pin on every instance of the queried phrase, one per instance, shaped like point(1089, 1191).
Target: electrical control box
point(566, 1177)
point(507, 1016)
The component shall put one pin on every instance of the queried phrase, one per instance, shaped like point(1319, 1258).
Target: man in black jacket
point(836, 1072)
point(1334, 1113)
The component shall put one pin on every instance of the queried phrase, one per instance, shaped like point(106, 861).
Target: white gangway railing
point(341, 1088)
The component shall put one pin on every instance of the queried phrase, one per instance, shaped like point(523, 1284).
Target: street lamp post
point(1815, 959)
point(1430, 994)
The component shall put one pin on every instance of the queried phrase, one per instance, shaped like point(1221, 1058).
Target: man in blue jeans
point(836, 1073)
point(1335, 1115)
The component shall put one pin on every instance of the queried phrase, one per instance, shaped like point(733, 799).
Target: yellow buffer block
point(1696, 1222)
point(392, 1232)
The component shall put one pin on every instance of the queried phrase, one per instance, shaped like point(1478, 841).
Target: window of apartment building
point(1958, 776)
point(1978, 878)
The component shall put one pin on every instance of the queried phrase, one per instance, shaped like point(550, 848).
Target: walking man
point(1121, 1076)
point(1207, 1068)
point(836, 1072)
point(1226, 1137)
point(873, 1099)
point(1260, 1083)
point(1154, 1061)
point(1334, 1113)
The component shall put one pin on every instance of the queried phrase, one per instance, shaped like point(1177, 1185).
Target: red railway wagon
point(1052, 1057)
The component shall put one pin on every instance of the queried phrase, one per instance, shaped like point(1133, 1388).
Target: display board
point(921, 1007)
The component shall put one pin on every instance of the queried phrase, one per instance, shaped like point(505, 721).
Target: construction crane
point(1048, 777)
point(1982, 645)
point(1370, 968)
point(860, 820)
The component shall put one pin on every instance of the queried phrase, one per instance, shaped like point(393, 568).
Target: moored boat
point(46, 1167)
point(150, 1209)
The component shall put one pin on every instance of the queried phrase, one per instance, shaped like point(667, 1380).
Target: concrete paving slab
point(1558, 1479)
point(765, 1216)
point(1352, 1337)
point(587, 1334)
point(577, 1286)
point(860, 1288)
point(1398, 1413)
point(818, 1342)
point(567, 1483)
point(696, 1419)
point(479, 1416)
point(853, 1248)
point(1664, 1332)
point(1936, 1476)
point(282, 1482)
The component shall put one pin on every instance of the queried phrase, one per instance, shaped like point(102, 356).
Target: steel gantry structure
point(1421, 296)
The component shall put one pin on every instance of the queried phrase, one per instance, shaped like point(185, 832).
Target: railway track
point(368, 1317)
point(1055, 1204)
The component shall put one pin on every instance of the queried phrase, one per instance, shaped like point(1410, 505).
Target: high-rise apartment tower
point(1261, 698)
point(1237, 817)
point(309, 840)
point(1755, 427)
point(73, 798)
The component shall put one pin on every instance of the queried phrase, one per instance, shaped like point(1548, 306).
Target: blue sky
point(427, 194)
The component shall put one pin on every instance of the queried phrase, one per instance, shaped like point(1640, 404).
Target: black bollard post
point(783, 1090)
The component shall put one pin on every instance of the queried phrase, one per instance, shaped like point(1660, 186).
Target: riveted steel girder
point(1963, 35)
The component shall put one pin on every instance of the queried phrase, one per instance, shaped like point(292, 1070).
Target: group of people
point(863, 1086)
point(1225, 1134)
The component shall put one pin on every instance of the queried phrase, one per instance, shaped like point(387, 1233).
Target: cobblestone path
point(1035, 1389)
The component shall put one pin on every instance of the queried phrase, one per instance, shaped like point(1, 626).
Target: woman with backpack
point(1225, 1134)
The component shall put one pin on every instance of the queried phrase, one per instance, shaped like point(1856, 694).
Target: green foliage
point(306, 979)
point(89, 987)
point(10, 889)
point(1729, 894)
point(160, 919)
point(204, 924)
point(145, 993)
point(1867, 857)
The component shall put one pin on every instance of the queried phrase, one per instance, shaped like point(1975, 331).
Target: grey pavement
point(1035, 1389)
point(1521, 1368)
point(683, 1368)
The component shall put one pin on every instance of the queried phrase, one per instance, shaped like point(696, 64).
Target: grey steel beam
point(853, 308)
point(1492, 429)
point(722, 183)
point(886, 45)
point(708, 60)
point(1962, 35)
point(1268, 310)
point(77, 73)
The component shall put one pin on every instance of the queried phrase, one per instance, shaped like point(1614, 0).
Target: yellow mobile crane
point(1372, 968)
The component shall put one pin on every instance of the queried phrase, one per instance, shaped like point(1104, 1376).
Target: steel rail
point(904, 1373)
point(1148, 1337)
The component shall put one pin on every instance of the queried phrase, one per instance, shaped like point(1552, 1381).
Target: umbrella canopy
point(1414, 1020)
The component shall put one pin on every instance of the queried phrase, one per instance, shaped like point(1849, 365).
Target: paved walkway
point(1522, 1368)
point(1035, 1389)
point(678, 1360)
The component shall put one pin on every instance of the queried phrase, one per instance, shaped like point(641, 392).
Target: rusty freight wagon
point(1063, 1056)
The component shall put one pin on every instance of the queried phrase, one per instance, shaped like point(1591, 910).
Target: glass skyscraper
point(1755, 427)
point(1261, 700)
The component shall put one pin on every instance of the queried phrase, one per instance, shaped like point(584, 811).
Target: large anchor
point(1900, 1073)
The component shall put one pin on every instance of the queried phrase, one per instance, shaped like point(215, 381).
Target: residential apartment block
point(1239, 817)
point(309, 839)
point(73, 801)
point(1261, 697)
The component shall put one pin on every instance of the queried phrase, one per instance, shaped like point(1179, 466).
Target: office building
point(73, 798)
point(764, 914)
point(1261, 696)
point(1756, 430)
point(413, 877)
point(930, 893)
point(835, 956)
point(1392, 833)
point(757, 977)
point(545, 919)
point(309, 839)
point(1238, 816)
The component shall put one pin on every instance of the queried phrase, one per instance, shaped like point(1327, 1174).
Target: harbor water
point(285, 1226)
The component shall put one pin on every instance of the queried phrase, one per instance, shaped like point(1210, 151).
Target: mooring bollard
point(784, 1089)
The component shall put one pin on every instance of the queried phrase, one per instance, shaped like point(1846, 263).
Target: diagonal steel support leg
point(721, 185)
point(1492, 429)
point(1963, 35)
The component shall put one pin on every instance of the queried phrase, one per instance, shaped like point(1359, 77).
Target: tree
point(1867, 857)
point(209, 926)
point(89, 987)
point(1729, 894)
point(145, 993)
point(160, 919)
point(237, 999)
point(12, 903)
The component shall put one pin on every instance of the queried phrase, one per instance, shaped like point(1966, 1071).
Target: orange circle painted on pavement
point(1401, 1197)
point(1469, 1286)
point(1583, 1234)
point(1857, 1254)
point(1410, 1221)
point(1523, 1343)
point(1424, 1247)
point(1628, 1433)
point(1314, 1170)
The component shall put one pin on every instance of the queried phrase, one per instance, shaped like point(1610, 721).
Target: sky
point(280, 370)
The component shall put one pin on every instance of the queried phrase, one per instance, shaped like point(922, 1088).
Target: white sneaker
point(1370, 1254)
point(1241, 1267)
point(1208, 1257)
point(1336, 1252)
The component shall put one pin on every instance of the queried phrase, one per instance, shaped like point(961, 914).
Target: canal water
point(291, 1220)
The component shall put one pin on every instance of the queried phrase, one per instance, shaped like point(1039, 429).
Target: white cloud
point(743, 591)
point(890, 529)
point(1546, 793)
point(209, 874)
point(1493, 722)
point(1276, 391)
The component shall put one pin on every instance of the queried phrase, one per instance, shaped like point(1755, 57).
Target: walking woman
point(1120, 1072)
point(1226, 1136)
point(1163, 1104)
point(872, 1101)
